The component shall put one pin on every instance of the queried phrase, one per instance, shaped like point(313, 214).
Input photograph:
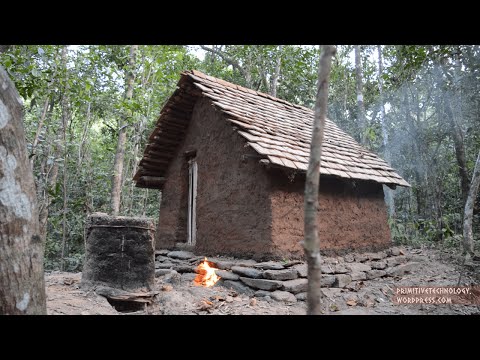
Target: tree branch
point(227, 58)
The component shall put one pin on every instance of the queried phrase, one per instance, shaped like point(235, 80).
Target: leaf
point(36, 73)
point(41, 52)
point(351, 302)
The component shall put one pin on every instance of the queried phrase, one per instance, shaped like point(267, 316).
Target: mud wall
point(233, 200)
point(352, 215)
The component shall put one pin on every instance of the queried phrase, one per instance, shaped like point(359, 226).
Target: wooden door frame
point(192, 202)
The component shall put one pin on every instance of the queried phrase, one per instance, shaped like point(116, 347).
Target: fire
point(206, 275)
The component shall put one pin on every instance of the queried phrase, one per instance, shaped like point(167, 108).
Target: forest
point(89, 110)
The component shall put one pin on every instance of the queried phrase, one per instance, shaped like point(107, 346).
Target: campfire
point(206, 274)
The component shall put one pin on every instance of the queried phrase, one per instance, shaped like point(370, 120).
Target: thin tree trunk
point(82, 149)
point(44, 112)
point(389, 194)
point(276, 74)
point(22, 285)
point(469, 205)
point(39, 130)
point(360, 104)
point(122, 139)
point(312, 185)
point(51, 178)
point(457, 137)
point(65, 121)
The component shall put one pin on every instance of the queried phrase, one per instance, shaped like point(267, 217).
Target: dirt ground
point(179, 296)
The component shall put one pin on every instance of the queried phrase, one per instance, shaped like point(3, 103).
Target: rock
point(349, 258)
point(341, 269)
point(378, 255)
point(417, 258)
point(402, 269)
point(285, 274)
point(161, 258)
point(379, 265)
point(269, 265)
point(373, 274)
point(394, 251)
point(295, 286)
point(161, 272)
point(182, 255)
point(245, 263)
point(268, 298)
point(302, 270)
point(184, 268)
point(161, 252)
point(355, 285)
point(357, 267)
point(331, 293)
point(227, 275)
point(327, 280)
point(327, 269)
point(262, 293)
point(196, 260)
point(358, 275)
point(290, 263)
point(189, 276)
point(164, 266)
point(361, 257)
point(301, 296)
point(284, 296)
point(330, 260)
point(397, 260)
point(247, 271)
point(222, 264)
point(262, 284)
point(173, 277)
point(342, 280)
point(238, 287)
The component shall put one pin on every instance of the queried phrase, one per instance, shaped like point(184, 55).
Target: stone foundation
point(287, 281)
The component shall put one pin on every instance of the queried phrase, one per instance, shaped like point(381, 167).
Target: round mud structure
point(119, 252)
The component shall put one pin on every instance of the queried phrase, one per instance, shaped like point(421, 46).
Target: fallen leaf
point(401, 252)
point(205, 305)
point(351, 302)
point(167, 288)
point(253, 302)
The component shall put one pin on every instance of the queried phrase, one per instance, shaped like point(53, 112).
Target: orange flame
point(206, 275)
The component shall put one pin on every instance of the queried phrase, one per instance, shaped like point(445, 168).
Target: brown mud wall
point(352, 216)
point(233, 201)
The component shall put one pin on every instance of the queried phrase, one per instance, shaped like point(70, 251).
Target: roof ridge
point(241, 88)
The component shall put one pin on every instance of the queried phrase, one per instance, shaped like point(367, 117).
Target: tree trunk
point(22, 286)
point(389, 194)
point(360, 104)
point(457, 137)
point(312, 185)
point(51, 177)
point(468, 214)
point(122, 138)
point(276, 74)
point(65, 121)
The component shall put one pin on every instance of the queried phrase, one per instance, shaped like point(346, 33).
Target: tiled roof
point(277, 130)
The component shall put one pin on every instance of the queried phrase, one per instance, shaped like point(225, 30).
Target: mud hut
point(231, 163)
